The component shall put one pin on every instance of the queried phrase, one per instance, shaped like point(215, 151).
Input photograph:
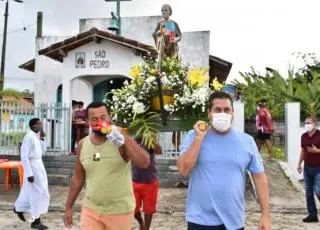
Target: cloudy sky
point(244, 32)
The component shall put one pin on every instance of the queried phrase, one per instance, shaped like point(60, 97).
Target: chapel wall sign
point(96, 60)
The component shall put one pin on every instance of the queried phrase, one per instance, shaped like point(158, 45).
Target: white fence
point(169, 141)
point(14, 124)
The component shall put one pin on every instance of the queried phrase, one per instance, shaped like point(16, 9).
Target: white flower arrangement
point(189, 86)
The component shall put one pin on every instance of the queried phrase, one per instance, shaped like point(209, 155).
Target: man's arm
point(43, 141)
point(187, 161)
point(25, 154)
point(301, 158)
point(260, 179)
point(43, 146)
point(77, 180)
point(313, 149)
point(261, 183)
point(138, 155)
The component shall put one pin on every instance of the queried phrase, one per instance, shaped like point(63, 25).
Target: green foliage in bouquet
point(188, 86)
point(146, 128)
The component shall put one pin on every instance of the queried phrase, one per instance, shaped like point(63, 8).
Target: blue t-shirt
point(217, 183)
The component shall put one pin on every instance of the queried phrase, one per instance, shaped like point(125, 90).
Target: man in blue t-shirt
point(216, 160)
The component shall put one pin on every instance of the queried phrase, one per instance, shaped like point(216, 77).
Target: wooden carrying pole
point(160, 48)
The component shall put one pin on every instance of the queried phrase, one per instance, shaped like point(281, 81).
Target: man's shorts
point(146, 195)
point(263, 136)
point(91, 220)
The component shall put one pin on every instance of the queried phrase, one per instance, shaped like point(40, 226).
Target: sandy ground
point(287, 207)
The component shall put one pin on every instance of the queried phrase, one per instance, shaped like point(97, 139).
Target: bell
point(114, 25)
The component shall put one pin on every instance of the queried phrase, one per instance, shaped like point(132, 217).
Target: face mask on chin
point(309, 127)
point(221, 121)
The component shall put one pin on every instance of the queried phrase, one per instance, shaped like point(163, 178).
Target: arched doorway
point(102, 88)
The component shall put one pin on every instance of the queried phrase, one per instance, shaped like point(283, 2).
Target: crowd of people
point(121, 176)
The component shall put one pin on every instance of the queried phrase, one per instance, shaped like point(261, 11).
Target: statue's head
point(166, 11)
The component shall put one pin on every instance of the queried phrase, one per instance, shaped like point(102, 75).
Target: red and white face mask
point(103, 126)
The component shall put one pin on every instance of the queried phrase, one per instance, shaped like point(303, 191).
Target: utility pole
point(39, 24)
point(4, 42)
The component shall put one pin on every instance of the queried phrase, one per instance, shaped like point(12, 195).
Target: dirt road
point(287, 207)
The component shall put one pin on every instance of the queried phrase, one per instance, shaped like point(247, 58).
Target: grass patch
point(277, 152)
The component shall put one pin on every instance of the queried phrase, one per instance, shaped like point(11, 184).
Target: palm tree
point(306, 90)
point(255, 87)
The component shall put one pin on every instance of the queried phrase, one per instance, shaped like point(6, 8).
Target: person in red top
point(145, 188)
point(79, 113)
point(264, 126)
point(310, 154)
point(79, 120)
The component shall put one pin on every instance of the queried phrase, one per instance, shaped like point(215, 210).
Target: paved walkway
point(287, 207)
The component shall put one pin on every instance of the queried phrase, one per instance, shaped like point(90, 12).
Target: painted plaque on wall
point(80, 60)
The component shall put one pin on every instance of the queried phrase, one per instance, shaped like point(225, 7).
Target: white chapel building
point(87, 66)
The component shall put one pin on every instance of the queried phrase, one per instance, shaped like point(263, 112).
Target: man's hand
point(299, 168)
point(173, 40)
point(30, 179)
point(200, 134)
point(264, 223)
point(42, 135)
point(313, 149)
point(165, 31)
point(116, 137)
point(68, 218)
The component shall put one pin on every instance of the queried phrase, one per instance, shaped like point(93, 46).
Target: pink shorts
point(90, 220)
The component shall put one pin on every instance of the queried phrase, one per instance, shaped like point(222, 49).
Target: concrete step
point(165, 161)
point(65, 158)
point(59, 164)
point(171, 176)
point(162, 168)
point(59, 171)
point(173, 168)
point(62, 180)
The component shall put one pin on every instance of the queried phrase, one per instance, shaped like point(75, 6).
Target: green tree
point(27, 93)
point(256, 87)
point(11, 92)
point(306, 90)
point(302, 86)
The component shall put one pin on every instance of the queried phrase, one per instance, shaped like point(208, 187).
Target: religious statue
point(168, 33)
